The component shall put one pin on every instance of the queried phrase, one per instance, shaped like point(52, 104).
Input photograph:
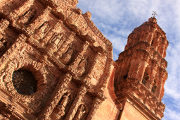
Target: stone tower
point(141, 73)
point(56, 65)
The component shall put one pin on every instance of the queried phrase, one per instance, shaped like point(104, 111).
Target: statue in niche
point(146, 80)
point(82, 67)
point(80, 112)
point(42, 30)
point(57, 40)
point(60, 108)
point(66, 57)
point(27, 17)
point(154, 87)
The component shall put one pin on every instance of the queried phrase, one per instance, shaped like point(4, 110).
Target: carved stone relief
point(46, 77)
point(42, 30)
point(27, 17)
point(81, 111)
point(57, 40)
point(66, 57)
point(56, 44)
point(82, 66)
point(145, 79)
point(3, 45)
point(60, 109)
point(6, 41)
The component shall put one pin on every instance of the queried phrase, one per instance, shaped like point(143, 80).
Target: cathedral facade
point(56, 65)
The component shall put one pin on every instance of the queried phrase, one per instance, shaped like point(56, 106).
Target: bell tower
point(141, 73)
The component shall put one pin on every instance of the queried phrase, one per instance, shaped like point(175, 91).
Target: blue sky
point(117, 18)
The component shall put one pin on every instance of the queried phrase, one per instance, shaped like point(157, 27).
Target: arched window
point(24, 82)
point(154, 88)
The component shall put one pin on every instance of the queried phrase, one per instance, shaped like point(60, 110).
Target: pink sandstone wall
point(132, 113)
point(108, 110)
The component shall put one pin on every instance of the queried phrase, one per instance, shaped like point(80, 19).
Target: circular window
point(24, 82)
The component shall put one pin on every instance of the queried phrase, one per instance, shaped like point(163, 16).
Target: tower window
point(154, 89)
point(146, 78)
point(24, 82)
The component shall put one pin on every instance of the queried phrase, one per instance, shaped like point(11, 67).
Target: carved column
point(56, 96)
point(76, 103)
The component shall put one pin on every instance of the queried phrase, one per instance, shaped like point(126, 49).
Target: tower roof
point(141, 68)
point(151, 34)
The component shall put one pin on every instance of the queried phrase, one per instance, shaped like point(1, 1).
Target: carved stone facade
point(56, 65)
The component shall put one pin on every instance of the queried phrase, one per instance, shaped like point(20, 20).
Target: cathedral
point(55, 64)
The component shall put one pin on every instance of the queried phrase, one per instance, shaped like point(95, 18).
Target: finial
point(154, 14)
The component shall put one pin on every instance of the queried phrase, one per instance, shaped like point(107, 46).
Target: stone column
point(56, 96)
point(76, 103)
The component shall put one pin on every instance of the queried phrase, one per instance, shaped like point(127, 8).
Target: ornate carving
point(61, 107)
point(66, 57)
point(82, 67)
point(76, 103)
point(3, 25)
point(145, 79)
point(57, 39)
point(27, 17)
point(42, 30)
point(3, 45)
point(60, 89)
point(80, 112)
